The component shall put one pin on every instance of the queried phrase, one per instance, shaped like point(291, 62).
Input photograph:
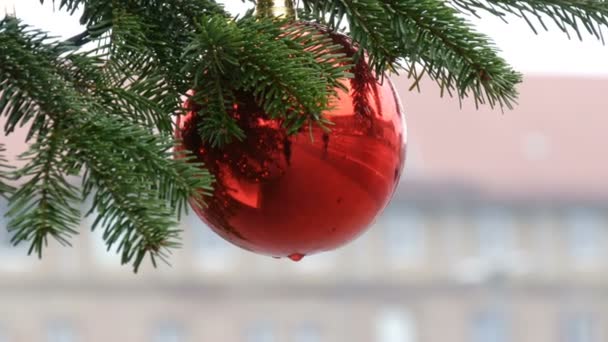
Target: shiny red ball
point(290, 195)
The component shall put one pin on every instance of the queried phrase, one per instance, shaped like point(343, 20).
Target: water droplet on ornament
point(296, 256)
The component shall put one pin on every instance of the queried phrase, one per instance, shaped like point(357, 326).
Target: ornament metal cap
point(279, 11)
point(8, 9)
point(268, 8)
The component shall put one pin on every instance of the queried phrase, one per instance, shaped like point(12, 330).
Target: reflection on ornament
point(290, 196)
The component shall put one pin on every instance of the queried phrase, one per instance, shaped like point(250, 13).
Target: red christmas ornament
point(283, 195)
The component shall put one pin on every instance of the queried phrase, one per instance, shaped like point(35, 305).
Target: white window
point(3, 334)
point(61, 331)
point(357, 253)
point(405, 236)
point(308, 332)
point(5, 238)
point(415, 161)
point(102, 256)
point(543, 230)
point(169, 332)
point(578, 328)
point(213, 253)
point(490, 326)
point(12, 258)
point(316, 263)
point(451, 233)
point(260, 332)
point(586, 237)
point(68, 257)
point(495, 228)
point(394, 325)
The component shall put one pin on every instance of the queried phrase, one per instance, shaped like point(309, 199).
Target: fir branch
point(135, 209)
point(17, 79)
point(46, 204)
point(108, 111)
point(149, 36)
point(213, 52)
point(139, 187)
point(280, 72)
point(367, 22)
point(292, 73)
point(430, 34)
point(143, 102)
point(80, 39)
point(143, 72)
point(451, 52)
point(567, 15)
point(93, 11)
point(70, 5)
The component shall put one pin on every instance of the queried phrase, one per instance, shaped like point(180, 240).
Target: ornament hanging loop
point(269, 9)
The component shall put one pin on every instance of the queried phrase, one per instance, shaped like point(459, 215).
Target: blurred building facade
point(498, 233)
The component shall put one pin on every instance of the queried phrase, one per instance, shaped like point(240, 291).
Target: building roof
point(550, 145)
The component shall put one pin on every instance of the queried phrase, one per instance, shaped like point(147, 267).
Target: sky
point(546, 53)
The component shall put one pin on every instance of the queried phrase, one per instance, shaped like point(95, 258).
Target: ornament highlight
point(291, 196)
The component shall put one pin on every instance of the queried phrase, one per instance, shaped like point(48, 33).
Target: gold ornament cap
point(269, 8)
point(8, 9)
point(279, 11)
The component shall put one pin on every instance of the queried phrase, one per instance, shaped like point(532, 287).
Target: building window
point(260, 332)
point(490, 326)
point(316, 263)
point(450, 224)
point(12, 258)
point(495, 228)
point(308, 332)
point(578, 328)
point(5, 238)
point(102, 256)
point(542, 255)
point(3, 334)
point(61, 332)
point(169, 332)
point(99, 249)
point(585, 237)
point(357, 253)
point(415, 162)
point(405, 236)
point(395, 326)
point(213, 252)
